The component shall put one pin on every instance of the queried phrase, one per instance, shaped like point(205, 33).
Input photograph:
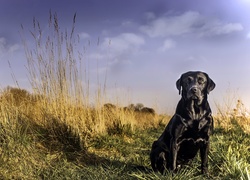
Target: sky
point(139, 48)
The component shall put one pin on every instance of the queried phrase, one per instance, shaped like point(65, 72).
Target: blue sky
point(143, 46)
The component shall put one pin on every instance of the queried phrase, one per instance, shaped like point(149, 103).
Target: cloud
point(125, 42)
point(84, 35)
point(6, 48)
point(3, 46)
point(217, 27)
point(248, 35)
point(127, 23)
point(122, 48)
point(188, 22)
point(167, 44)
point(150, 15)
point(115, 53)
point(171, 25)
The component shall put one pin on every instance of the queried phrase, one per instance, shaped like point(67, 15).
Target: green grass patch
point(28, 156)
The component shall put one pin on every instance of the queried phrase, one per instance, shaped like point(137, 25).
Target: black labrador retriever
point(189, 129)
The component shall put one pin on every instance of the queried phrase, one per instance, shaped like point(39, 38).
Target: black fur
point(189, 129)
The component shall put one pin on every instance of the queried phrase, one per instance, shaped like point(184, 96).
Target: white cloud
point(2, 46)
point(127, 23)
point(188, 22)
point(121, 49)
point(217, 27)
point(97, 56)
point(248, 35)
point(6, 49)
point(115, 53)
point(14, 48)
point(167, 44)
point(125, 42)
point(84, 35)
point(150, 15)
point(171, 25)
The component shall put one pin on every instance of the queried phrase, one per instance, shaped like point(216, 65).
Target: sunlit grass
point(32, 148)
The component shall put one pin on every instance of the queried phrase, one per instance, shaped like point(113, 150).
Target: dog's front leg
point(173, 154)
point(204, 157)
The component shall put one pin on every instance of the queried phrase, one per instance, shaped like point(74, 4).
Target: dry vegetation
point(55, 133)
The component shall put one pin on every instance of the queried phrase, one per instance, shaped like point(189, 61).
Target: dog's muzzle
point(194, 93)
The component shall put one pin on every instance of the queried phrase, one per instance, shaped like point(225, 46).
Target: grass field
point(33, 148)
point(56, 132)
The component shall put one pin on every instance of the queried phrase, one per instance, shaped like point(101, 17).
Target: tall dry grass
point(38, 129)
point(232, 112)
point(60, 82)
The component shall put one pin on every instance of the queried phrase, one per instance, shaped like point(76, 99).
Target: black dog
point(189, 129)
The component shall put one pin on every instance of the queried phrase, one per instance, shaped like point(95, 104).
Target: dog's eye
point(189, 79)
point(201, 81)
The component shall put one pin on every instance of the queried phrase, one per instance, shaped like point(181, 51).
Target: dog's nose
point(194, 89)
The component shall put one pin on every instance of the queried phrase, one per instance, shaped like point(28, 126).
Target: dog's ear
point(178, 85)
point(210, 84)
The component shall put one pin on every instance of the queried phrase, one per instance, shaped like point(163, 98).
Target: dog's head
point(195, 85)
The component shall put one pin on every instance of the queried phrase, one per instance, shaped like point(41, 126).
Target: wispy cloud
point(217, 27)
point(186, 23)
point(122, 47)
point(167, 44)
point(6, 48)
point(114, 53)
point(84, 35)
point(248, 35)
point(170, 25)
point(125, 42)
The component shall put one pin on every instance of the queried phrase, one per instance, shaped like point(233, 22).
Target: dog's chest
point(195, 131)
